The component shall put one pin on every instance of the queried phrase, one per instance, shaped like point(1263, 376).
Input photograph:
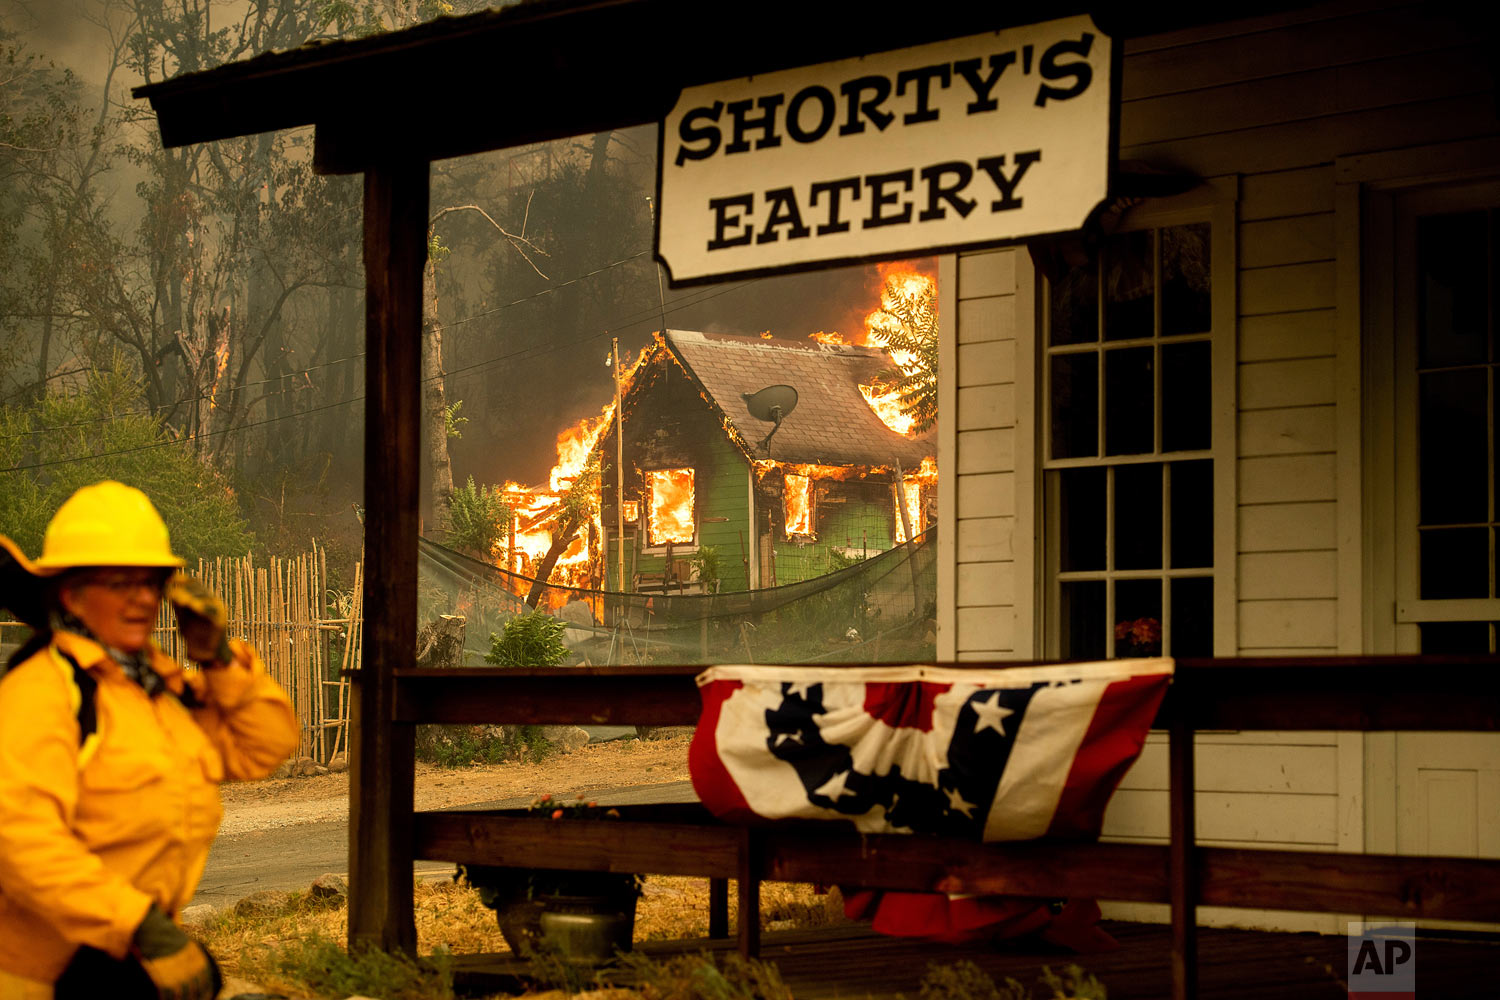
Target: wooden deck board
point(853, 962)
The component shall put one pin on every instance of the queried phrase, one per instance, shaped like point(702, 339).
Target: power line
point(310, 368)
point(471, 369)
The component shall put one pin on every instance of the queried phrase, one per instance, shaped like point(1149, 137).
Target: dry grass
point(450, 918)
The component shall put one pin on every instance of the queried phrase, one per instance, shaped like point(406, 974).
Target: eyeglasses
point(124, 584)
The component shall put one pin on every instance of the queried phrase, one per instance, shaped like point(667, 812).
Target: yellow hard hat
point(106, 524)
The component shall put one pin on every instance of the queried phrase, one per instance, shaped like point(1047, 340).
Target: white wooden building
point(1332, 278)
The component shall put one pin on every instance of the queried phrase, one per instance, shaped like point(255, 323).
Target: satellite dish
point(772, 404)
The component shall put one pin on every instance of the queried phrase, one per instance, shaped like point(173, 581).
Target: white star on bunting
point(956, 803)
point(834, 786)
point(992, 714)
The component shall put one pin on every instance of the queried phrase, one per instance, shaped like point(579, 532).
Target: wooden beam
point(683, 839)
point(562, 695)
point(1182, 856)
point(1440, 694)
point(382, 766)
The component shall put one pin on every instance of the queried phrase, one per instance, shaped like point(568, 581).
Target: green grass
point(328, 970)
point(463, 746)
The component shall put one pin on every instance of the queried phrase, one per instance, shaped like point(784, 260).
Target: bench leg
point(749, 909)
point(718, 907)
point(1182, 857)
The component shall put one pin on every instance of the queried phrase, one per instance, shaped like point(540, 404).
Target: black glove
point(178, 966)
point(202, 619)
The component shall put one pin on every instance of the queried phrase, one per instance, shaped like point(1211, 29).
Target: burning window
point(671, 515)
point(632, 511)
point(798, 500)
point(913, 488)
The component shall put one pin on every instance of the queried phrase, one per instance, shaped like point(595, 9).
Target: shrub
point(326, 968)
point(477, 516)
point(530, 640)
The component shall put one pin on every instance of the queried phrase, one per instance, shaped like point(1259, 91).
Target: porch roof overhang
point(559, 68)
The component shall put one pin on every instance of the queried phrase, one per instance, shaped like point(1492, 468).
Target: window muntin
point(1128, 462)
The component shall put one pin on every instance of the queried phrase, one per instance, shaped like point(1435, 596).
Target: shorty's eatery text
point(986, 138)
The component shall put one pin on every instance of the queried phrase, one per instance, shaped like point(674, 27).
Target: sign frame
point(923, 249)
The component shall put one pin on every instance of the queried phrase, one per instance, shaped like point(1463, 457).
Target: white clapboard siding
point(1285, 527)
point(1290, 430)
point(987, 494)
point(1266, 385)
point(992, 317)
point(985, 460)
point(1288, 575)
point(1243, 816)
point(1295, 239)
point(1278, 336)
point(1297, 770)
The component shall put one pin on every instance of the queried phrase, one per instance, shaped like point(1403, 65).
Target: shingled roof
point(832, 424)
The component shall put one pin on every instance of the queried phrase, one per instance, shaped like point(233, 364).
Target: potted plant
point(587, 916)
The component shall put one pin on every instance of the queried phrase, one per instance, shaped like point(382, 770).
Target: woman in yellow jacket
point(111, 756)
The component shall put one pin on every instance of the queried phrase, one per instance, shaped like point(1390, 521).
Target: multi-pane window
point(1456, 421)
point(1128, 460)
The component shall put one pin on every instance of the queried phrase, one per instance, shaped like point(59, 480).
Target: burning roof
point(833, 423)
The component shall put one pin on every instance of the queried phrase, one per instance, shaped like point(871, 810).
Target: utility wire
point(310, 368)
point(523, 354)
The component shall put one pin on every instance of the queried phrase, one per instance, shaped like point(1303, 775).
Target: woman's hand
point(202, 619)
point(178, 966)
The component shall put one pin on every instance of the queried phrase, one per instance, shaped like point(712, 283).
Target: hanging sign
point(969, 141)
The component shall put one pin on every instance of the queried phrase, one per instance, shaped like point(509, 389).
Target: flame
point(823, 337)
point(765, 335)
point(632, 511)
point(671, 515)
point(798, 501)
point(221, 362)
point(538, 510)
point(887, 406)
point(895, 285)
point(917, 483)
point(913, 489)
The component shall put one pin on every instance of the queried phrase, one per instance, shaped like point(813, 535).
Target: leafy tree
point(477, 515)
point(76, 436)
point(907, 325)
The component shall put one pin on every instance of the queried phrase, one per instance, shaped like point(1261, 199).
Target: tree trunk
point(435, 406)
point(554, 552)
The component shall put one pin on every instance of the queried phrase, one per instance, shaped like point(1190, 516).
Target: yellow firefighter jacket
point(91, 835)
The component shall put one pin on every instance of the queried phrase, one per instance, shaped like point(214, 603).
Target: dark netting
point(880, 610)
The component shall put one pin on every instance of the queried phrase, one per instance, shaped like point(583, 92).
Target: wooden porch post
point(382, 769)
point(1182, 868)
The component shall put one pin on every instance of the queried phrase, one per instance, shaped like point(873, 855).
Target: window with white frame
point(1128, 448)
point(1446, 378)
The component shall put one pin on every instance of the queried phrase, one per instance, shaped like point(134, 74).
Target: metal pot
point(588, 930)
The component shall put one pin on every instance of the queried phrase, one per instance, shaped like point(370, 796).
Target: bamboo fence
point(283, 609)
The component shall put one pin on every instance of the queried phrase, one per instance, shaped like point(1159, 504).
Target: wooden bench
point(1342, 693)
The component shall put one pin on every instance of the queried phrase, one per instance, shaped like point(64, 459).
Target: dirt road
point(282, 834)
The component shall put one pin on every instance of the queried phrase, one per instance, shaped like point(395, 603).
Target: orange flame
point(913, 488)
point(823, 337)
point(887, 406)
point(632, 511)
point(671, 515)
point(918, 483)
point(798, 503)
